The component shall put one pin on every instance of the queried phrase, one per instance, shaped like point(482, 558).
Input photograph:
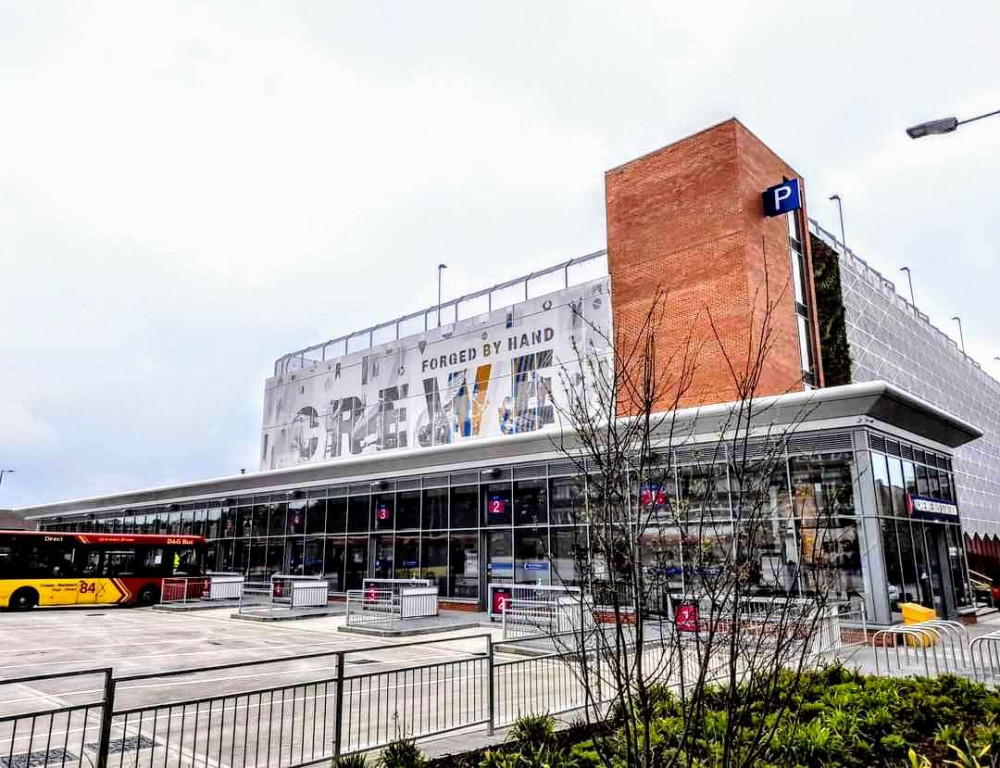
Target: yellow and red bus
point(57, 568)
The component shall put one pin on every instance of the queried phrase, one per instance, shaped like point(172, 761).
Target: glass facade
point(523, 523)
point(924, 559)
point(825, 525)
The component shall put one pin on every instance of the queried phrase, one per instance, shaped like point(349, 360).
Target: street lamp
point(441, 268)
point(910, 281)
point(840, 211)
point(4, 472)
point(944, 125)
point(961, 336)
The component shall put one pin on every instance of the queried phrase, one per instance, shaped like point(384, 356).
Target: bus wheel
point(23, 599)
point(149, 596)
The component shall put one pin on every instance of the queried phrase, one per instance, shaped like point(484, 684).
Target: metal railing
point(395, 586)
point(395, 602)
point(418, 602)
point(537, 593)
point(334, 705)
point(309, 594)
point(368, 606)
point(526, 618)
point(283, 590)
point(33, 735)
point(331, 710)
point(423, 320)
point(416, 701)
point(225, 586)
point(213, 586)
point(184, 589)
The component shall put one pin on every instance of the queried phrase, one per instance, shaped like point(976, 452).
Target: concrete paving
point(280, 708)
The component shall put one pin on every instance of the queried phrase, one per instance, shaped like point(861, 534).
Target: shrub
point(535, 731)
point(349, 761)
point(402, 753)
point(585, 755)
point(497, 759)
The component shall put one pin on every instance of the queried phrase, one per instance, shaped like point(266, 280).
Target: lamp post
point(840, 211)
point(4, 472)
point(441, 268)
point(961, 336)
point(909, 280)
point(944, 125)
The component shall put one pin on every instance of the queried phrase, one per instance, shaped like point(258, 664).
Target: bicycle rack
point(938, 642)
point(985, 653)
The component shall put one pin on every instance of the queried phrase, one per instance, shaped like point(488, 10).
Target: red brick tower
point(689, 218)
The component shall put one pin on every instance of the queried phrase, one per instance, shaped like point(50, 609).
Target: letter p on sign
point(781, 198)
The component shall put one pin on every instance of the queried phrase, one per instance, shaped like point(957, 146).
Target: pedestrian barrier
point(393, 603)
point(395, 586)
point(308, 708)
point(935, 647)
point(212, 586)
point(184, 589)
point(416, 602)
point(500, 592)
point(225, 586)
point(526, 618)
point(283, 590)
point(367, 606)
point(36, 736)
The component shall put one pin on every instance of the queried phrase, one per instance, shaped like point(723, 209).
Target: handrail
point(281, 364)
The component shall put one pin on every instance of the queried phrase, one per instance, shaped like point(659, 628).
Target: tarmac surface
point(274, 700)
point(204, 689)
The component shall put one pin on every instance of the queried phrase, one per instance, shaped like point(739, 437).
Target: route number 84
point(85, 587)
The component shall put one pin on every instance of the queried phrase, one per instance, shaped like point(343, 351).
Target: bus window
point(61, 562)
point(185, 562)
point(152, 563)
point(46, 560)
point(119, 562)
point(90, 563)
point(7, 562)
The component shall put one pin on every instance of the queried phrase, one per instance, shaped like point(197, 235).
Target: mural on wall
point(490, 375)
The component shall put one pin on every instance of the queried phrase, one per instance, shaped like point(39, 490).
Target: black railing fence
point(293, 711)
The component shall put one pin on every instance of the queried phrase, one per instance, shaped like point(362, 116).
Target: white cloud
point(188, 190)
point(20, 428)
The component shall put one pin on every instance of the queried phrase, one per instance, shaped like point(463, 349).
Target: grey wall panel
point(892, 341)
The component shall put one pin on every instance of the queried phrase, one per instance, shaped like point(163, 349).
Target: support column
point(869, 533)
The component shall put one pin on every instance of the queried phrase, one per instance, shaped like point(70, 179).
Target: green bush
point(535, 731)
point(402, 753)
point(349, 761)
point(537, 758)
point(498, 759)
point(832, 716)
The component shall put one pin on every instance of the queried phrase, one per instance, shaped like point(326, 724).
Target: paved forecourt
point(280, 708)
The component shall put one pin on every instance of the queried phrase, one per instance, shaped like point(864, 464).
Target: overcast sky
point(189, 190)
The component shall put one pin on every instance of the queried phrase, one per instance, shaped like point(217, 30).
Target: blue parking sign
point(782, 198)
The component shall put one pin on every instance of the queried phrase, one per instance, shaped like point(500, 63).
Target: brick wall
point(688, 218)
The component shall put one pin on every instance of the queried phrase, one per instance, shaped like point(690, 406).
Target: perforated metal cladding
point(892, 341)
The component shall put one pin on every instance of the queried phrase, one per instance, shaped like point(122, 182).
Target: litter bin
point(914, 613)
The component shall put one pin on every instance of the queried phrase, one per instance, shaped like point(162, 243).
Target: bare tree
point(694, 572)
